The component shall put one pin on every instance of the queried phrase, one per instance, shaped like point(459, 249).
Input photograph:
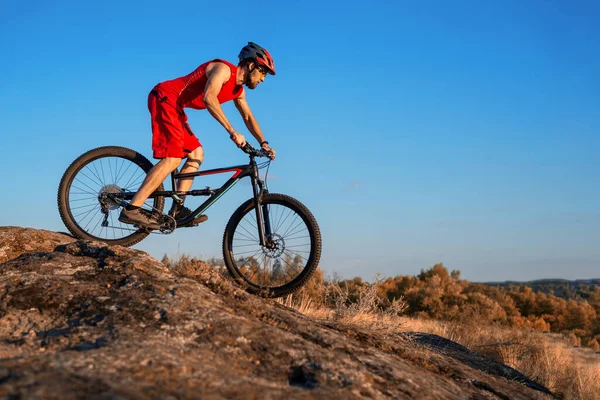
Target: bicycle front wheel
point(82, 194)
point(293, 254)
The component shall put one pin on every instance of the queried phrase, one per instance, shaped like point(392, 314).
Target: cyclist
point(209, 85)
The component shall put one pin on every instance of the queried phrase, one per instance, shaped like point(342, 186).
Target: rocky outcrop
point(15, 241)
point(80, 319)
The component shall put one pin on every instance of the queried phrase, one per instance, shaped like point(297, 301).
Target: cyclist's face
point(257, 75)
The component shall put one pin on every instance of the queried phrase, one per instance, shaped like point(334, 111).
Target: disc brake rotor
point(278, 246)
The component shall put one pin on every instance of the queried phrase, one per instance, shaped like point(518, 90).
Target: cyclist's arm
point(218, 74)
point(242, 105)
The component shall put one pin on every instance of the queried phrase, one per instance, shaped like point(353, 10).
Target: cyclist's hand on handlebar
point(238, 139)
point(269, 150)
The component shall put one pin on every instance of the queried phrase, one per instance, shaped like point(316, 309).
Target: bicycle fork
point(262, 215)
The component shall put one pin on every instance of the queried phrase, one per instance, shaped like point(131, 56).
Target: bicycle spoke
point(286, 252)
point(296, 231)
point(88, 195)
point(117, 171)
point(289, 227)
point(288, 239)
point(102, 168)
point(87, 186)
point(83, 198)
point(98, 174)
point(138, 183)
point(244, 245)
point(283, 221)
point(298, 251)
point(280, 264)
point(121, 229)
point(95, 226)
point(247, 252)
point(110, 170)
point(272, 217)
point(84, 206)
point(287, 271)
point(251, 222)
point(84, 192)
point(255, 243)
point(84, 212)
point(133, 177)
point(124, 172)
point(105, 173)
point(91, 219)
point(251, 237)
point(96, 182)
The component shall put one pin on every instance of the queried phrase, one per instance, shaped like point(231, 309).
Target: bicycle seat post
point(175, 172)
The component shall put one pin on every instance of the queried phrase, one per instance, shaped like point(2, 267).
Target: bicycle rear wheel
point(82, 201)
point(289, 263)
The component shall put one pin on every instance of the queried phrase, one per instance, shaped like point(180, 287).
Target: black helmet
point(261, 55)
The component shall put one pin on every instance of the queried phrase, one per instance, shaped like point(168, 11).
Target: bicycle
point(271, 244)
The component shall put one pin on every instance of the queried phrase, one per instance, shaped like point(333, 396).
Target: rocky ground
point(82, 320)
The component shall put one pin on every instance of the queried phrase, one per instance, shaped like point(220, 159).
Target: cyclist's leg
point(192, 164)
point(194, 159)
point(132, 214)
point(155, 177)
point(168, 142)
point(178, 211)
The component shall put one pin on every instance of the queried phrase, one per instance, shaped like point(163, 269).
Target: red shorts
point(171, 134)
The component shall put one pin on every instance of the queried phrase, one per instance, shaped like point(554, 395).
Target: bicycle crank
point(167, 224)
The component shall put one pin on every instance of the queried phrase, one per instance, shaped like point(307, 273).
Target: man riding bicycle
point(209, 85)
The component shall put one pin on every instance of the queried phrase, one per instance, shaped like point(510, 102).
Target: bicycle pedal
point(142, 228)
point(200, 219)
point(195, 222)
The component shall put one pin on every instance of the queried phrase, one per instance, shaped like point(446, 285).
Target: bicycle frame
point(241, 171)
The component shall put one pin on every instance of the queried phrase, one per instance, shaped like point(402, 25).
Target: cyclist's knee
point(172, 162)
point(196, 157)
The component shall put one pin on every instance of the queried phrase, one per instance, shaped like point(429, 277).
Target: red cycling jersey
point(189, 89)
point(171, 134)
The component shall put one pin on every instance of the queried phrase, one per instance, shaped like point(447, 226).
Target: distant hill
point(567, 289)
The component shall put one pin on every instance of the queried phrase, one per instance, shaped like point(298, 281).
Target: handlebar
point(249, 149)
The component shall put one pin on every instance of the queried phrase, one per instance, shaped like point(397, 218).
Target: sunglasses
point(263, 71)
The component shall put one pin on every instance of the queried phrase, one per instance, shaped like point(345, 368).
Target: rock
point(15, 241)
point(81, 319)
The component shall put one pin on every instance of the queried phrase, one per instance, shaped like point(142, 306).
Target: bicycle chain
point(167, 223)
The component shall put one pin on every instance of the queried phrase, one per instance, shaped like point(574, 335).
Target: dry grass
point(572, 373)
point(333, 304)
point(549, 359)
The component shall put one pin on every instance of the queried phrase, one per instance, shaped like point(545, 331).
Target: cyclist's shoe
point(198, 220)
point(179, 212)
point(136, 217)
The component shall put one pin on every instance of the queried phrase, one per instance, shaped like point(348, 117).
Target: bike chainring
point(167, 224)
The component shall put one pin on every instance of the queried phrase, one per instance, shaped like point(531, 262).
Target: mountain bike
point(271, 244)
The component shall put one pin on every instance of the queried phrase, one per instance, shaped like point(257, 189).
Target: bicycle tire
point(76, 167)
point(247, 208)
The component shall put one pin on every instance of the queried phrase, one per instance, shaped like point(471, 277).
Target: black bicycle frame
point(241, 171)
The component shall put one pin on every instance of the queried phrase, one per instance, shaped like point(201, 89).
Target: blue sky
point(459, 132)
